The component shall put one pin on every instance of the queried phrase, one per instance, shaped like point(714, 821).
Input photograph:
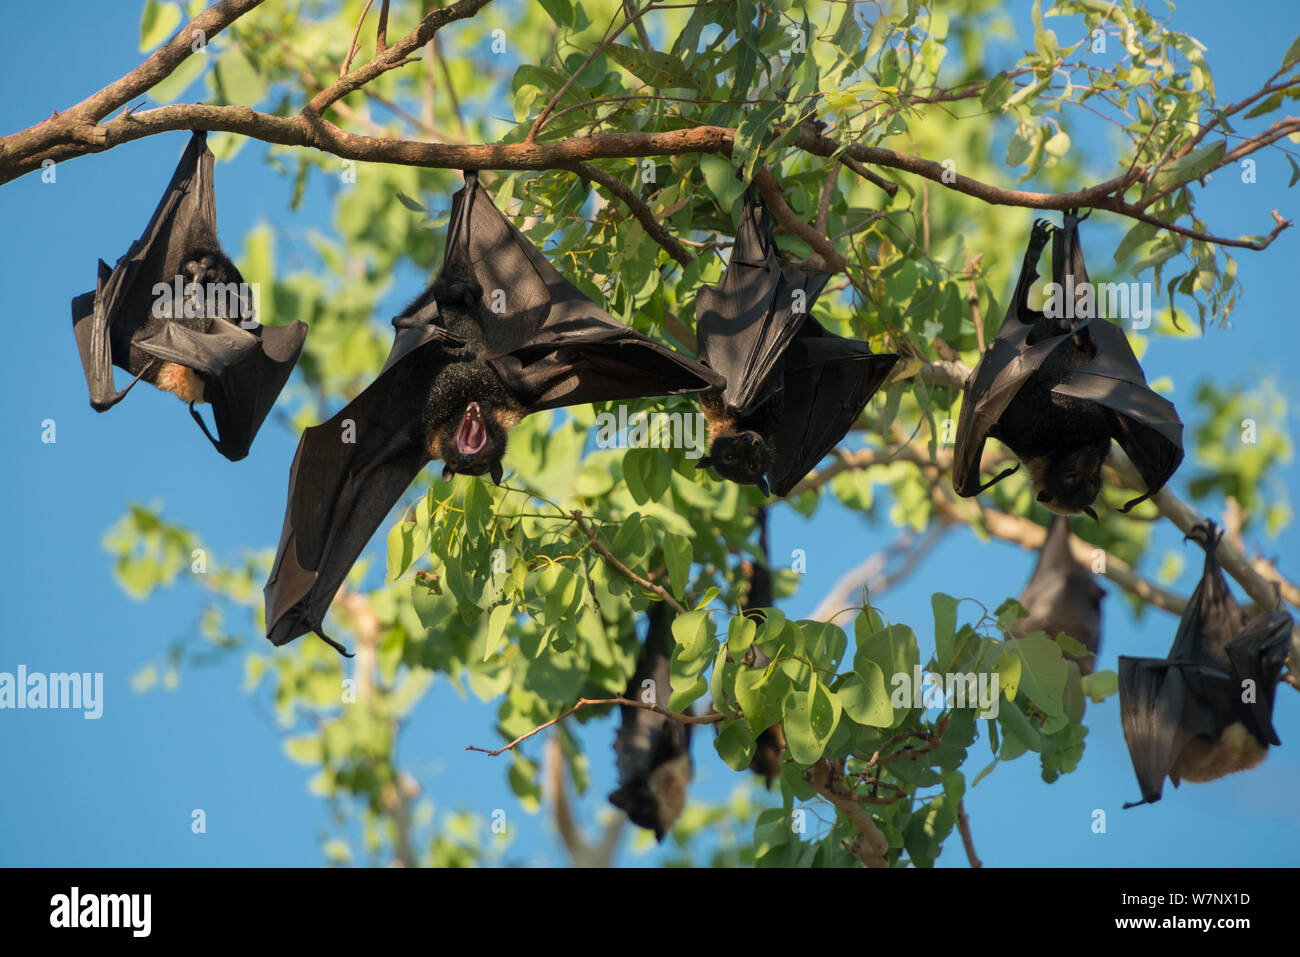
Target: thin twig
point(605, 553)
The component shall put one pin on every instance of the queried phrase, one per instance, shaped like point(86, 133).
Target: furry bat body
point(1063, 596)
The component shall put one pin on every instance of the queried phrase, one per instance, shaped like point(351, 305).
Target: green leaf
point(1043, 672)
point(1292, 55)
point(864, 697)
point(735, 745)
point(157, 23)
point(678, 557)
point(720, 177)
point(945, 627)
point(494, 638)
point(1190, 167)
point(691, 631)
point(997, 92)
point(655, 69)
point(1100, 685)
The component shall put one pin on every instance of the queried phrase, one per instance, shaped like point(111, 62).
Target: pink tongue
point(472, 436)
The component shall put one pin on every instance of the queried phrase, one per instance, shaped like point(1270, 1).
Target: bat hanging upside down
point(499, 335)
point(1056, 390)
point(176, 313)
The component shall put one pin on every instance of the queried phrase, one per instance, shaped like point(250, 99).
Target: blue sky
point(120, 790)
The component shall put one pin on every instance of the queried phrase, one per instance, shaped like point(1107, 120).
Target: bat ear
point(763, 486)
point(496, 472)
point(1091, 514)
point(448, 473)
point(1044, 497)
point(704, 462)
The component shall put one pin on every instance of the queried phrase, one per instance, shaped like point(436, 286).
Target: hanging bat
point(793, 389)
point(1056, 391)
point(498, 335)
point(1063, 596)
point(653, 752)
point(1205, 711)
point(176, 313)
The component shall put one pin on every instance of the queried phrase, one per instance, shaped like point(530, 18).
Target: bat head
point(741, 457)
point(212, 288)
point(1069, 483)
point(474, 445)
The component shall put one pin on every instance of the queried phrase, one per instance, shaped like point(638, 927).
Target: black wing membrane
point(1063, 596)
point(828, 381)
point(1145, 424)
point(243, 370)
point(551, 345)
point(346, 476)
point(748, 320)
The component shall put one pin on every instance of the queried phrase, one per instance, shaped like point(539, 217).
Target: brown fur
point(180, 381)
point(668, 784)
point(1236, 750)
point(715, 413)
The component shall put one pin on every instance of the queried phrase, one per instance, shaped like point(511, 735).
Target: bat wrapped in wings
point(653, 752)
point(793, 389)
point(1063, 596)
point(176, 313)
point(498, 335)
point(1056, 391)
point(1206, 710)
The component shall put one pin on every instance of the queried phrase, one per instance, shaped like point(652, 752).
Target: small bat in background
point(1057, 390)
point(653, 752)
point(1063, 596)
point(176, 313)
point(500, 334)
point(793, 389)
point(1206, 710)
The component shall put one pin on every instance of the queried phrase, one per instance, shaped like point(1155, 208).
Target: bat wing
point(551, 345)
point(1258, 655)
point(346, 476)
point(828, 380)
point(1146, 425)
point(1152, 701)
point(746, 322)
point(1212, 617)
point(1005, 366)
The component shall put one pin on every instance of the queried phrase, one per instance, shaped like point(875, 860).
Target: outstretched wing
point(828, 380)
point(551, 345)
point(746, 322)
point(346, 476)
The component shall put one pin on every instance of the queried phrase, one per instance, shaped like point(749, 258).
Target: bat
point(793, 390)
point(1206, 710)
point(1057, 391)
point(653, 752)
point(176, 313)
point(769, 746)
point(498, 335)
point(1063, 596)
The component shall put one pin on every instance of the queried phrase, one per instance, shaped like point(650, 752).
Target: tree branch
point(663, 593)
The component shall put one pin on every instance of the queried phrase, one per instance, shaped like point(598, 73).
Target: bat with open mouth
point(653, 752)
point(1206, 710)
point(1058, 390)
point(498, 335)
point(1063, 596)
point(176, 313)
point(793, 389)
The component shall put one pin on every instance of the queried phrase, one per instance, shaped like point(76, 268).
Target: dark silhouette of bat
point(653, 752)
point(498, 335)
point(1063, 596)
point(793, 389)
point(176, 313)
point(1206, 710)
point(1057, 390)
